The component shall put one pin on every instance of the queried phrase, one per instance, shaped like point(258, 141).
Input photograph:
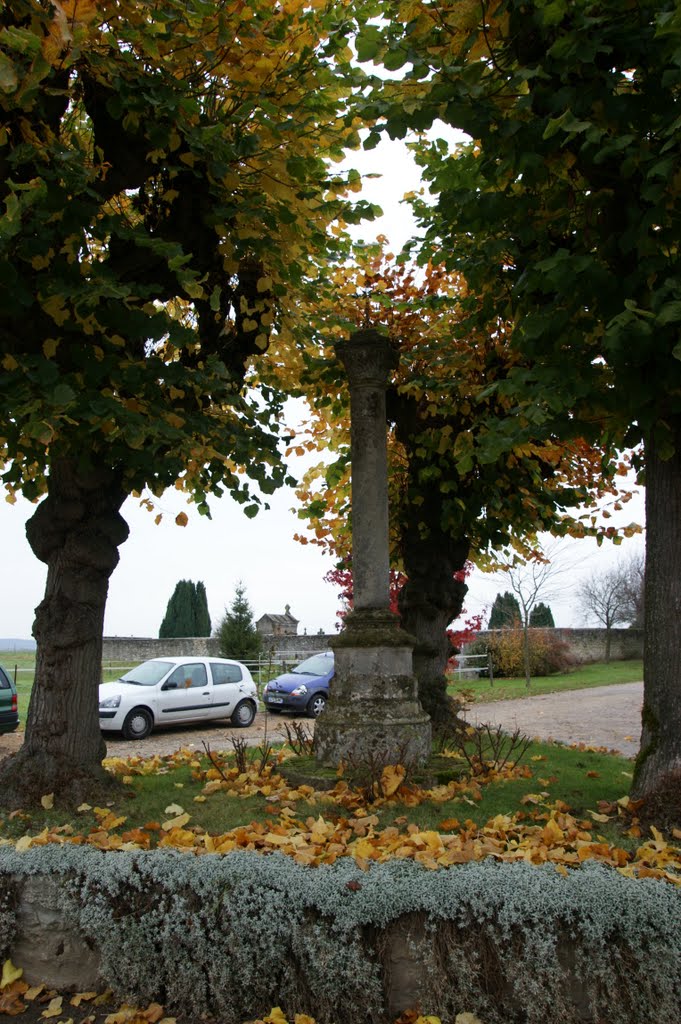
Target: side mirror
point(169, 686)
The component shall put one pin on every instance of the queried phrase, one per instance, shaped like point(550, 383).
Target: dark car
point(304, 689)
point(9, 712)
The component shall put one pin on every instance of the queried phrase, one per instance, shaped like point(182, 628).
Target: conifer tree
point(541, 616)
point(187, 611)
point(201, 613)
point(505, 612)
point(238, 636)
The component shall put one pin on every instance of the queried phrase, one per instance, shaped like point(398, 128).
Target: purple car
point(305, 689)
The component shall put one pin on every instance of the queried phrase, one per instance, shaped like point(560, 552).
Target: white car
point(165, 691)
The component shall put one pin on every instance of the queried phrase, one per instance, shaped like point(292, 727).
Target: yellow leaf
point(178, 822)
point(174, 809)
point(10, 973)
point(276, 1016)
point(54, 1007)
point(9, 363)
point(467, 1018)
point(264, 284)
point(392, 778)
point(47, 801)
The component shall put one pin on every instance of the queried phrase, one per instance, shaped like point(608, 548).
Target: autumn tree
point(166, 199)
point(563, 215)
point(471, 472)
point(236, 630)
point(187, 611)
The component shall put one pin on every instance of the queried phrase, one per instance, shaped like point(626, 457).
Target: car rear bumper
point(9, 721)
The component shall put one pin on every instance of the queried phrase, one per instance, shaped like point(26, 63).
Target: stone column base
point(373, 708)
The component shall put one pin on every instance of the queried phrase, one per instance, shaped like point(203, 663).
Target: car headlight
point(299, 691)
point(111, 702)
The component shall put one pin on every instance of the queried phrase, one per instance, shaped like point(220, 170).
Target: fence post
point(490, 667)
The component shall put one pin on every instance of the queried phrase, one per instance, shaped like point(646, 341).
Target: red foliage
point(341, 577)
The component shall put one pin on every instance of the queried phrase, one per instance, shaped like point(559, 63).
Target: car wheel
point(138, 724)
point(243, 714)
point(315, 705)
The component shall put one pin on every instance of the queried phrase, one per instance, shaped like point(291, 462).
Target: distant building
point(278, 625)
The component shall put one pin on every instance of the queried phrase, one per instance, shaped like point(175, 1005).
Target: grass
point(579, 777)
point(584, 677)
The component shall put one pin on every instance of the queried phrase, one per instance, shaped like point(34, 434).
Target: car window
point(226, 673)
point(148, 673)
point(317, 665)
point(189, 675)
point(4, 681)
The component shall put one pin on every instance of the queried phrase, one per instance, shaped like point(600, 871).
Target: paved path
point(604, 716)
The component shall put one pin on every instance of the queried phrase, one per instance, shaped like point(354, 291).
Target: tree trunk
point(430, 600)
point(657, 777)
point(526, 653)
point(76, 531)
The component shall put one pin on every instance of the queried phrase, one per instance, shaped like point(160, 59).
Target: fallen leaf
point(47, 801)
point(10, 973)
point(54, 1007)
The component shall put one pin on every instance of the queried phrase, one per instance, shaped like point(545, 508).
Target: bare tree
point(603, 594)
point(545, 577)
point(616, 595)
point(633, 584)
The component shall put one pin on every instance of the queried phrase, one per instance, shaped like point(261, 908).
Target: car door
point(186, 694)
point(226, 691)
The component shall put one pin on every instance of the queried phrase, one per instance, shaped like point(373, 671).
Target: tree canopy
point(167, 201)
point(563, 214)
point(472, 470)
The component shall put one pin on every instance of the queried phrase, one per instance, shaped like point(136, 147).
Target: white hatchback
point(165, 691)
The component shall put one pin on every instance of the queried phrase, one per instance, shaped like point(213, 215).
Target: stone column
point(373, 707)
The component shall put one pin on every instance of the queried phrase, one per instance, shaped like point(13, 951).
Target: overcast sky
point(260, 552)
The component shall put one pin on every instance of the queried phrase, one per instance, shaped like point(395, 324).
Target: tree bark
point(657, 777)
point(429, 601)
point(76, 531)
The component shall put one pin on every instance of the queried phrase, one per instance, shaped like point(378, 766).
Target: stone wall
point(228, 937)
point(585, 644)
point(589, 644)
point(130, 650)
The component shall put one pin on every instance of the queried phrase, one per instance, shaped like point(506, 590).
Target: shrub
point(548, 653)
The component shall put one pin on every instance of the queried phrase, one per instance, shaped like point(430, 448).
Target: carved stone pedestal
point(374, 708)
point(373, 705)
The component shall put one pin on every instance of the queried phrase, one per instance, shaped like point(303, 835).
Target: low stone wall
point(130, 650)
point(589, 644)
point(585, 644)
point(228, 937)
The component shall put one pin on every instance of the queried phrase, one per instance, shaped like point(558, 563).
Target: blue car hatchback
point(305, 689)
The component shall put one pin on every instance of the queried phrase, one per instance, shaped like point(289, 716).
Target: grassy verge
point(174, 785)
point(584, 677)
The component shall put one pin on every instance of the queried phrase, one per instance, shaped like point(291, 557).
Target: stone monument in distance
point(373, 707)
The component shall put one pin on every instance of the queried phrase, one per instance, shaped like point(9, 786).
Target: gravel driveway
point(605, 716)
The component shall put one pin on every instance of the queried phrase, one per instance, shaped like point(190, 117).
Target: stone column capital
point(368, 357)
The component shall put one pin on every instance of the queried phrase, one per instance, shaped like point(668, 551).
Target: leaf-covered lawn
point(561, 805)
